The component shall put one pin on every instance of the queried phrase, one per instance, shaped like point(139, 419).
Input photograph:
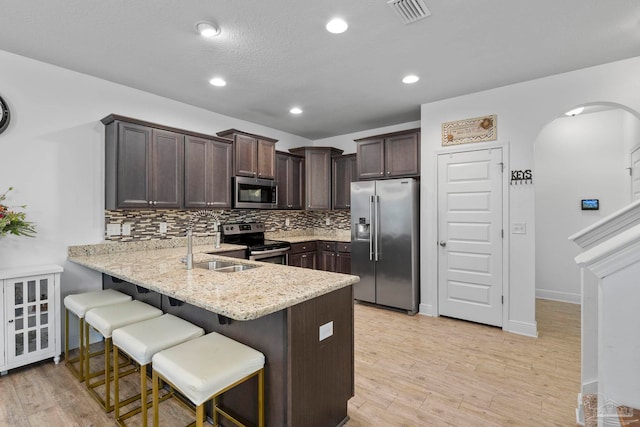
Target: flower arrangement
point(12, 222)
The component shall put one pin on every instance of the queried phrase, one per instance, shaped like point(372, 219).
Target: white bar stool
point(141, 341)
point(79, 304)
point(203, 369)
point(105, 320)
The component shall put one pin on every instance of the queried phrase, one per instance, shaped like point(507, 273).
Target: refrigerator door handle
point(377, 227)
point(372, 233)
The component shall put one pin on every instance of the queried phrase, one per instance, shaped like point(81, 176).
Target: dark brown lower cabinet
point(303, 255)
point(327, 256)
point(343, 258)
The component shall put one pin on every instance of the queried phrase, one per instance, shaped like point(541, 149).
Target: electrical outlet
point(113, 229)
point(126, 229)
point(287, 222)
point(163, 228)
point(326, 330)
point(327, 221)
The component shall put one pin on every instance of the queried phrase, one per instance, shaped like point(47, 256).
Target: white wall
point(581, 157)
point(523, 110)
point(346, 142)
point(53, 154)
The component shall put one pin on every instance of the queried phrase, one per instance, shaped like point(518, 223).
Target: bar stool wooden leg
point(154, 377)
point(261, 398)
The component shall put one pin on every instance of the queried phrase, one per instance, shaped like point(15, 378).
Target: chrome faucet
point(189, 258)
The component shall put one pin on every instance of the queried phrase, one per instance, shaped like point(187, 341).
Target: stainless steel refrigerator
point(384, 242)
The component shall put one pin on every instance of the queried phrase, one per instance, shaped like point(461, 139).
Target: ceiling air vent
point(409, 10)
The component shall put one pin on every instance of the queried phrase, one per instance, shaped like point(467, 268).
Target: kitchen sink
point(224, 266)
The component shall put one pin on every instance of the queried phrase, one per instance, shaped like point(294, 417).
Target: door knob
point(443, 243)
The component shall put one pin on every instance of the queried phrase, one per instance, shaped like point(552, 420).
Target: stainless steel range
point(251, 234)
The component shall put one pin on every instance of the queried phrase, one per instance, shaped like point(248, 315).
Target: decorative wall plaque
point(478, 129)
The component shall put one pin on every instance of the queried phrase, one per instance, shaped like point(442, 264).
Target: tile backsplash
point(146, 224)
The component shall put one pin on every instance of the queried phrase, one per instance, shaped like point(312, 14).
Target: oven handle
point(270, 251)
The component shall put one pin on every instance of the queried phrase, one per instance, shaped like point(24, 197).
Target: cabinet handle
point(11, 321)
point(304, 256)
point(150, 202)
point(381, 173)
point(388, 172)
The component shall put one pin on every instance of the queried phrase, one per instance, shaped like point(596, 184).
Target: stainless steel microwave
point(255, 193)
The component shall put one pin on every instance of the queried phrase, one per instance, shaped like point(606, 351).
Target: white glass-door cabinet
point(30, 311)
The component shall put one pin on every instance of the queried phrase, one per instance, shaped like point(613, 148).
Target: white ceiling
point(275, 54)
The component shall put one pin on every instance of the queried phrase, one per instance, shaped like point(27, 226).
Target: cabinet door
point(282, 177)
point(245, 156)
point(327, 261)
point(371, 159)
point(402, 155)
point(207, 174)
point(342, 177)
point(195, 172)
point(303, 260)
point(318, 179)
point(296, 183)
point(29, 308)
point(266, 152)
point(167, 173)
point(343, 262)
point(219, 170)
point(133, 157)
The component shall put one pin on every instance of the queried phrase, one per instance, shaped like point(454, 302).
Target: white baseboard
point(522, 328)
point(427, 310)
point(559, 296)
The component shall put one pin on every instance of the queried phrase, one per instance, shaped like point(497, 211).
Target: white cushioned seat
point(79, 304)
point(144, 339)
point(202, 367)
point(109, 318)
point(105, 320)
point(141, 341)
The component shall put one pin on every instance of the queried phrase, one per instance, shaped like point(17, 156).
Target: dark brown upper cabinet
point(254, 155)
point(290, 177)
point(317, 175)
point(390, 155)
point(345, 171)
point(208, 167)
point(144, 165)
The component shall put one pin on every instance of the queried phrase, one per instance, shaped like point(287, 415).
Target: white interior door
point(470, 235)
point(635, 174)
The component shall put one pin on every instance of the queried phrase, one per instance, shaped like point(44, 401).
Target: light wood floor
point(423, 371)
point(410, 371)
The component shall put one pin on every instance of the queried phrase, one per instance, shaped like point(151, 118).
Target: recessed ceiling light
point(217, 81)
point(207, 29)
point(295, 110)
point(574, 112)
point(337, 26)
point(410, 79)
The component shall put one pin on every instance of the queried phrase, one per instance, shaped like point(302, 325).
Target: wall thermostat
point(590, 204)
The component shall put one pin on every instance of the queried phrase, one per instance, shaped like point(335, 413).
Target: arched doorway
point(586, 156)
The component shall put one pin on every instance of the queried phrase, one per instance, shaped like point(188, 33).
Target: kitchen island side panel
point(321, 372)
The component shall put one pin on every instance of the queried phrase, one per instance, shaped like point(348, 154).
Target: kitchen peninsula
point(276, 309)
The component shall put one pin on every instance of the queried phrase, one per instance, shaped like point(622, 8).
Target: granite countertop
point(341, 236)
point(243, 295)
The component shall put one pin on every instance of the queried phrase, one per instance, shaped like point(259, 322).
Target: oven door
point(274, 256)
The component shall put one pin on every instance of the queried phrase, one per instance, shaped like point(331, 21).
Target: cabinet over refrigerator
point(384, 242)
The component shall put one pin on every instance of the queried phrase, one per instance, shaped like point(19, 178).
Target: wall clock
point(5, 116)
